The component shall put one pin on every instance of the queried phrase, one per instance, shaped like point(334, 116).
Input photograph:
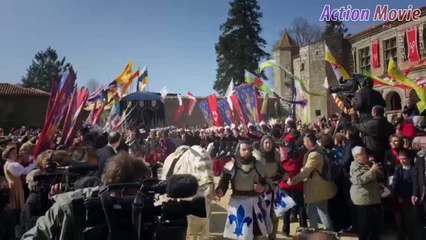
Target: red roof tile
point(7, 89)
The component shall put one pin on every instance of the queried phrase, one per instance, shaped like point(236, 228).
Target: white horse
point(195, 161)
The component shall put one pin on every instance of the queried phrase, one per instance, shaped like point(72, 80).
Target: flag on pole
point(128, 82)
point(229, 93)
point(212, 100)
point(273, 63)
point(257, 81)
point(82, 96)
point(338, 69)
point(180, 108)
point(57, 112)
point(247, 97)
point(225, 111)
point(142, 80)
point(191, 104)
point(124, 75)
point(163, 93)
point(205, 109)
point(237, 107)
point(53, 92)
point(404, 80)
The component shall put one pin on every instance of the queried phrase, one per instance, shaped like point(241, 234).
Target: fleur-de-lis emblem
point(239, 220)
point(267, 201)
point(412, 46)
point(279, 199)
point(262, 215)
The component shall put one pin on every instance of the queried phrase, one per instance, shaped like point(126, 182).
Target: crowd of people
point(370, 167)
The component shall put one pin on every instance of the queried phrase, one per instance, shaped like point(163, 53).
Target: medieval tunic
point(247, 210)
point(13, 172)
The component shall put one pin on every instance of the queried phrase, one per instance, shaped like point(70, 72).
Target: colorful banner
point(413, 51)
point(273, 63)
point(191, 104)
point(237, 107)
point(401, 78)
point(338, 69)
point(124, 75)
point(57, 112)
point(257, 81)
point(217, 120)
point(204, 106)
point(68, 117)
point(247, 97)
point(82, 97)
point(375, 54)
point(142, 80)
point(180, 108)
point(97, 113)
point(53, 92)
point(225, 111)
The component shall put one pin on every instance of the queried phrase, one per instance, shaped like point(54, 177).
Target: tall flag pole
point(191, 104)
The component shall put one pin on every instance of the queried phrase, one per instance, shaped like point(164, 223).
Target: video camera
point(139, 217)
point(348, 88)
point(66, 176)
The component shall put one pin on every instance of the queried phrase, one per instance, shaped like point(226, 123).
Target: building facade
point(307, 62)
point(372, 49)
point(21, 106)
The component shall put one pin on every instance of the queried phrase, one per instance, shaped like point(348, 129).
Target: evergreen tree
point(45, 67)
point(240, 46)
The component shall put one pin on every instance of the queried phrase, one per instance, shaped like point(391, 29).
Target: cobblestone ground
point(218, 218)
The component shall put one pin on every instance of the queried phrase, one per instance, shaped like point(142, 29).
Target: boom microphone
point(181, 186)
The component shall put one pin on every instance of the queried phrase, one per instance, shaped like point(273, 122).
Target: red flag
point(53, 91)
point(82, 96)
point(375, 52)
point(413, 51)
point(217, 120)
point(180, 109)
point(70, 112)
point(192, 102)
point(236, 103)
point(97, 113)
point(56, 114)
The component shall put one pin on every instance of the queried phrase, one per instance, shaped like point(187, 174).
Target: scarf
point(395, 153)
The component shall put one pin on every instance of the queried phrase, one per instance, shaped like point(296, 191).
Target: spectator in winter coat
point(292, 163)
point(376, 132)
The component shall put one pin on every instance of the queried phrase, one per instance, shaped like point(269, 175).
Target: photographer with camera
point(366, 98)
point(58, 222)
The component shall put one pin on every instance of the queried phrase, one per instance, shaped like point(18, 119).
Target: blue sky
point(174, 38)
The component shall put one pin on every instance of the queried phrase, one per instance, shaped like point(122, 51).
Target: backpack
point(331, 171)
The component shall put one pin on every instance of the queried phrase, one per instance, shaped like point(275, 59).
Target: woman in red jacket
point(292, 162)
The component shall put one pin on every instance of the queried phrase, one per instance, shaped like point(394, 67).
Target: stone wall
point(312, 68)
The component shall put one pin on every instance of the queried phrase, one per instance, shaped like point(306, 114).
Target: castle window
point(364, 59)
point(302, 67)
point(389, 51)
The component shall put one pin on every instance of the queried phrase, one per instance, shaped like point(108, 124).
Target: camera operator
point(366, 98)
point(376, 132)
point(58, 222)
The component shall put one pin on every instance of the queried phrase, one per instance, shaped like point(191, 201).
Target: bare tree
point(304, 32)
point(92, 85)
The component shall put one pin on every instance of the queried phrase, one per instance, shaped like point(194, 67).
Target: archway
point(393, 101)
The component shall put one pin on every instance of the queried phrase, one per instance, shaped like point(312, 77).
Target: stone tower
point(283, 54)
